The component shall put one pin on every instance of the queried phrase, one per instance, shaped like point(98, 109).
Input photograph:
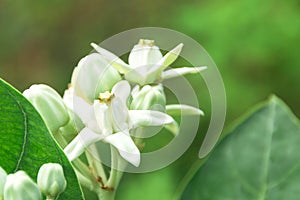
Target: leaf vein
point(21, 155)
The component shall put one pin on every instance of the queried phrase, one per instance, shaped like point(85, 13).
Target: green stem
point(88, 183)
point(95, 165)
point(99, 167)
point(117, 166)
point(82, 168)
point(106, 195)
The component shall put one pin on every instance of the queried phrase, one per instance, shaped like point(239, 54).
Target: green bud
point(49, 104)
point(51, 179)
point(21, 186)
point(3, 176)
point(148, 98)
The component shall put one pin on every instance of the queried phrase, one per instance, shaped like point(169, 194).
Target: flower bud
point(21, 186)
point(144, 53)
point(3, 176)
point(148, 98)
point(49, 104)
point(51, 179)
point(93, 75)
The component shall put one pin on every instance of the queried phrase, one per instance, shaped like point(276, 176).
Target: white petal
point(75, 72)
point(77, 146)
point(182, 109)
point(144, 53)
point(103, 117)
point(114, 60)
point(181, 71)
point(119, 114)
point(126, 147)
point(149, 118)
point(121, 90)
point(83, 109)
point(170, 57)
point(68, 97)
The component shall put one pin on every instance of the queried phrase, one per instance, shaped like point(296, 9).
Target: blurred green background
point(254, 43)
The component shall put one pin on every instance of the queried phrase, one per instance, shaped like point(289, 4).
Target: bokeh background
point(254, 43)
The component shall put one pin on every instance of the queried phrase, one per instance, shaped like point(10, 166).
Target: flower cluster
point(108, 100)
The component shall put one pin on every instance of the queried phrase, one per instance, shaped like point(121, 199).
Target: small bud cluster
point(50, 181)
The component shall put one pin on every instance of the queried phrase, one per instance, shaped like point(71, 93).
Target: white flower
point(146, 64)
point(109, 120)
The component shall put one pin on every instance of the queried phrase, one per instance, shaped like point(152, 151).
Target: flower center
point(106, 97)
point(144, 42)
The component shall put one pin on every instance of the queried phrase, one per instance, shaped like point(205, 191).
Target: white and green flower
point(146, 64)
point(109, 120)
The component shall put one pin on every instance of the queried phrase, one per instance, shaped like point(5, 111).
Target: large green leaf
point(258, 160)
point(25, 142)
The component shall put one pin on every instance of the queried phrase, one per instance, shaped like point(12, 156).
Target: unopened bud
point(49, 104)
point(21, 186)
point(144, 53)
point(51, 179)
point(148, 98)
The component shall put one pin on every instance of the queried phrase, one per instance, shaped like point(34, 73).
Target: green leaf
point(259, 159)
point(26, 143)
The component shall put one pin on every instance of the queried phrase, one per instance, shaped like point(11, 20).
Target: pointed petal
point(103, 117)
point(83, 109)
point(119, 114)
point(121, 90)
point(77, 146)
point(182, 109)
point(114, 60)
point(126, 147)
point(173, 128)
point(149, 118)
point(171, 73)
point(170, 57)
